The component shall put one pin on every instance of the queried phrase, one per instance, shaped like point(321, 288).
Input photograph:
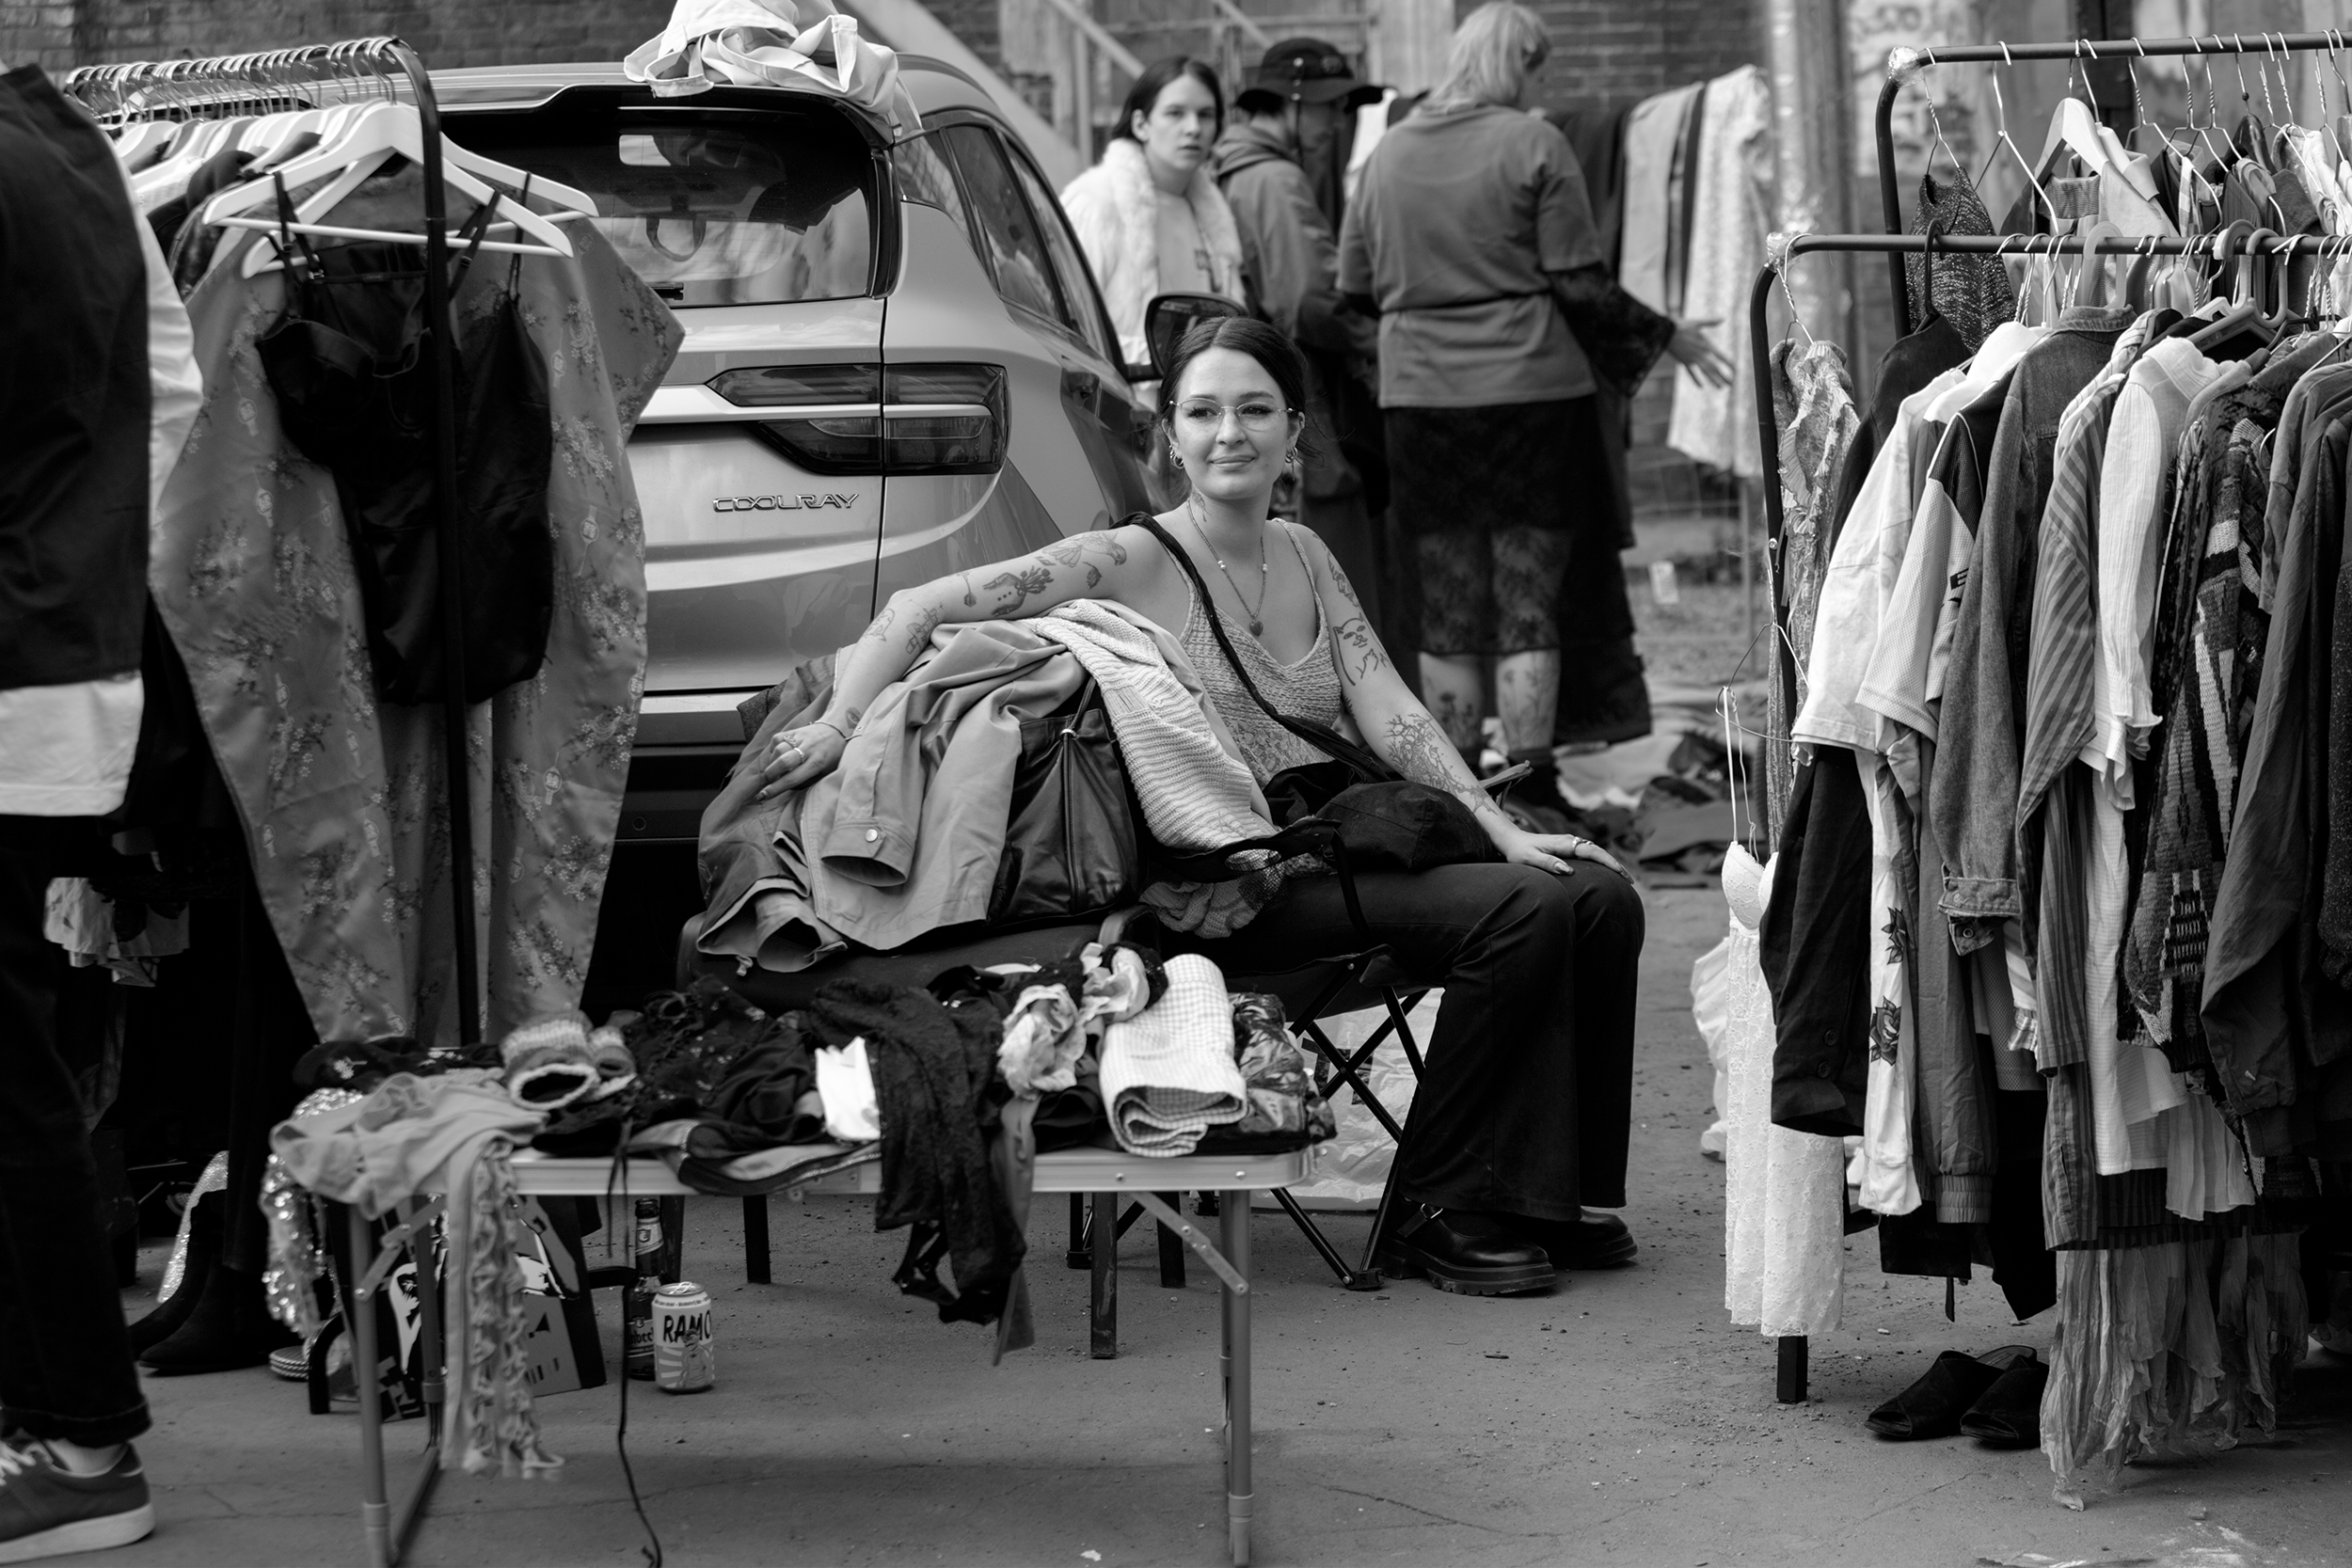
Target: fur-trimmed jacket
point(1115, 210)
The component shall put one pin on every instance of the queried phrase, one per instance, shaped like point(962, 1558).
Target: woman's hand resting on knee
point(801, 757)
point(1555, 852)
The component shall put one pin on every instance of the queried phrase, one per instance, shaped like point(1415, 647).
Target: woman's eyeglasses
point(1205, 416)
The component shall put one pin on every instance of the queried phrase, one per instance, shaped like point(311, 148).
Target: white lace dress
point(1784, 1215)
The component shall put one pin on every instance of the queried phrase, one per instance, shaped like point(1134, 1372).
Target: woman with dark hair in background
point(1472, 238)
point(1521, 1116)
point(1149, 216)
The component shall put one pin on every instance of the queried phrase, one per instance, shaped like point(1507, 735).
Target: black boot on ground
point(1594, 1241)
point(230, 1328)
point(204, 1222)
point(1465, 1252)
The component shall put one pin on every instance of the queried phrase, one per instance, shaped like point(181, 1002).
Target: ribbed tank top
point(1309, 689)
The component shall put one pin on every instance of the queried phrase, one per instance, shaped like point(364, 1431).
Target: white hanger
point(379, 132)
point(386, 128)
point(575, 202)
point(2091, 279)
point(276, 131)
point(198, 139)
point(142, 138)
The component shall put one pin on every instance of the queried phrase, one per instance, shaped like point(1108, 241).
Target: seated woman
point(1521, 1116)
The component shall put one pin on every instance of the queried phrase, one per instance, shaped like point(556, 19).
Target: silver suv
point(897, 364)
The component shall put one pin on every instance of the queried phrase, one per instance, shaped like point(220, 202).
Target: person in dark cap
point(1279, 165)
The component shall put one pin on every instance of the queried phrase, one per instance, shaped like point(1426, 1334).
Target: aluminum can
point(684, 1361)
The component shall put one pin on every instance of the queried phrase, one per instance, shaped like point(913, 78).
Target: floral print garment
point(343, 801)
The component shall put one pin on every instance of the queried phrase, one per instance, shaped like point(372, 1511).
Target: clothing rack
point(1904, 65)
point(315, 76)
point(311, 76)
point(1793, 1350)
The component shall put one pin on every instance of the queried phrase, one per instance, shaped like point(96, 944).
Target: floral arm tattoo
point(1074, 550)
point(1420, 751)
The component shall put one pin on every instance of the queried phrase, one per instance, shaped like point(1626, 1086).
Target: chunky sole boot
point(1466, 1254)
point(1594, 1242)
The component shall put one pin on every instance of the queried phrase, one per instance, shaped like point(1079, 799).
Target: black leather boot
point(1594, 1241)
point(1465, 1252)
point(204, 1228)
point(230, 1328)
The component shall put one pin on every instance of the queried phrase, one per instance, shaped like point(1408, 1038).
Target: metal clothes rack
point(1904, 66)
point(1793, 1351)
point(314, 76)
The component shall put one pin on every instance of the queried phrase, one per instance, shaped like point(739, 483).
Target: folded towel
point(1169, 1073)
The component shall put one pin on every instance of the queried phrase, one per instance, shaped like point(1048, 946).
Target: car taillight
point(875, 419)
point(826, 417)
point(944, 418)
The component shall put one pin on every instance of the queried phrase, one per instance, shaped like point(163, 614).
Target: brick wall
point(1618, 52)
point(1609, 51)
point(60, 34)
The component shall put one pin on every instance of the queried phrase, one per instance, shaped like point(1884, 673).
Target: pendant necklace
point(1257, 621)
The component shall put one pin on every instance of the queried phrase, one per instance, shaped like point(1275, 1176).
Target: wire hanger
point(2224, 154)
point(1936, 122)
point(1777, 249)
point(2001, 140)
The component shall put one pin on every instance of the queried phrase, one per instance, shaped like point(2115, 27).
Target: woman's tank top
point(1309, 689)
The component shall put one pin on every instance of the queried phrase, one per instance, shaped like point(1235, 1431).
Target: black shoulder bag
point(1386, 822)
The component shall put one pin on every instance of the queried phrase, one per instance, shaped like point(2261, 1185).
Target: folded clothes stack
point(1169, 1073)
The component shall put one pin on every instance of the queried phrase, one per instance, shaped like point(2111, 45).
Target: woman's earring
point(1176, 458)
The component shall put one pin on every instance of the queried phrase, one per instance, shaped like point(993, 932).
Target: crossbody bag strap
point(1328, 741)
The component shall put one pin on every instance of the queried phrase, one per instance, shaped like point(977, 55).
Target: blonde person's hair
point(1491, 53)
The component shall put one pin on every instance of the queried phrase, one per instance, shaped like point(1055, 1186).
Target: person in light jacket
point(1149, 216)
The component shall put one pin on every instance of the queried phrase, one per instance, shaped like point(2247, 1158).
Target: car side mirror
point(1167, 318)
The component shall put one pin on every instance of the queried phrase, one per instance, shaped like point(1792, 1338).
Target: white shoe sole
point(83, 1535)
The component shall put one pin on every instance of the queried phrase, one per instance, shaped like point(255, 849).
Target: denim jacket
point(1982, 721)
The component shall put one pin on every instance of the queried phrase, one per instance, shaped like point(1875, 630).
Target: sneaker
point(46, 1510)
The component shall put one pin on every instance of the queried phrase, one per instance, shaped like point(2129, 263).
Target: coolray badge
point(781, 503)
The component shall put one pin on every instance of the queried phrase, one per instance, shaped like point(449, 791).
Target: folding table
point(1080, 1170)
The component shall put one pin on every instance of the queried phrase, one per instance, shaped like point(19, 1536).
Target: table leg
point(1104, 1320)
point(1793, 1348)
point(430, 1305)
point(1171, 1250)
point(755, 1270)
point(1233, 1222)
point(429, 1335)
point(375, 1515)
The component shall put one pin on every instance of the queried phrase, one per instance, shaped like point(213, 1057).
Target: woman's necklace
point(1257, 620)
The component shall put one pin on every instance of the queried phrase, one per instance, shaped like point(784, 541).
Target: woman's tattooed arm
point(1417, 748)
point(1361, 652)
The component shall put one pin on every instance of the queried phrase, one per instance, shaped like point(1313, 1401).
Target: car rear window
point(717, 206)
